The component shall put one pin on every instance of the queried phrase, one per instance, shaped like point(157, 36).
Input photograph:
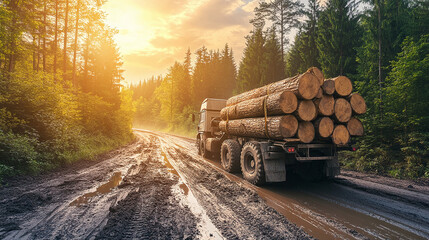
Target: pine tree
point(252, 68)
point(274, 68)
point(338, 36)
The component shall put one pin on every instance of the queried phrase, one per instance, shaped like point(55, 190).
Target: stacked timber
point(306, 107)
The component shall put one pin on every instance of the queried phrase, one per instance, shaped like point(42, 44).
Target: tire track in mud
point(151, 211)
point(236, 211)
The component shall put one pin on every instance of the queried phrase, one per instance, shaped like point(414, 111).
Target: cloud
point(153, 34)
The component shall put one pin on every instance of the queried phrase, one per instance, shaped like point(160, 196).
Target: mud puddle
point(114, 181)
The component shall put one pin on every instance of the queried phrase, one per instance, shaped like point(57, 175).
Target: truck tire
point(199, 146)
point(230, 156)
point(203, 149)
point(252, 165)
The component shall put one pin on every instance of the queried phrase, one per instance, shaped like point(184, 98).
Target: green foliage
point(338, 36)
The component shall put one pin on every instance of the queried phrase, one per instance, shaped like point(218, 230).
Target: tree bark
point(341, 135)
point(325, 105)
point(355, 127)
point(342, 110)
point(305, 86)
point(277, 104)
point(279, 127)
point(306, 110)
point(343, 86)
point(306, 132)
point(358, 103)
point(324, 127)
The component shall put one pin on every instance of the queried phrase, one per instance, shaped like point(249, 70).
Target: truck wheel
point(230, 155)
point(252, 166)
point(199, 145)
point(203, 149)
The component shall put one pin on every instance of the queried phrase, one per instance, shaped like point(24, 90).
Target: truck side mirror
point(193, 118)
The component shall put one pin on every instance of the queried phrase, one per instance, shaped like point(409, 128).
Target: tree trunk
point(355, 127)
point(341, 135)
point(277, 104)
point(342, 110)
point(324, 127)
point(306, 110)
point(343, 86)
point(75, 43)
point(56, 39)
point(305, 86)
point(44, 35)
point(358, 103)
point(325, 105)
point(306, 132)
point(66, 30)
point(279, 127)
point(328, 86)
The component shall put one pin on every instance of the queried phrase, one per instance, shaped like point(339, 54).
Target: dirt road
point(158, 187)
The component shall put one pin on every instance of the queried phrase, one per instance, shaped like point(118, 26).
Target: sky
point(153, 34)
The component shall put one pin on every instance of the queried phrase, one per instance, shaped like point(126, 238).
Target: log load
point(324, 127)
point(328, 86)
point(342, 110)
point(277, 104)
point(358, 103)
point(306, 132)
point(320, 93)
point(325, 105)
point(343, 86)
point(305, 86)
point(355, 127)
point(341, 135)
point(279, 127)
point(306, 111)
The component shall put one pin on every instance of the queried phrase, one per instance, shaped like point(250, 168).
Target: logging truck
point(262, 160)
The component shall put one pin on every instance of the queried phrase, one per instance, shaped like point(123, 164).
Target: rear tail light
point(290, 149)
point(354, 149)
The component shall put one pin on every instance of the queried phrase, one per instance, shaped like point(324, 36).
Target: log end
point(325, 127)
point(308, 86)
point(343, 86)
point(320, 93)
point(358, 103)
point(329, 86)
point(306, 132)
point(288, 126)
point(342, 110)
point(288, 102)
point(307, 111)
point(355, 127)
point(319, 74)
point(326, 105)
point(341, 135)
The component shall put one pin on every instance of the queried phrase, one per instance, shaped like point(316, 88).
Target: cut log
point(343, 86)
point(342, 110)
point(319, 74)
point(320, 93)
point(305, 86)
point(329, 86)
point(358, 103)
point(306, 111)
point(277, 104)
point(341, 135)
point(355, 127)
point(279, 127)
point(306, 132)
point(324, 127)
point(325, 105)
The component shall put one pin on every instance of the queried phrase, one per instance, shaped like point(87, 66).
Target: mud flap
point(332, 168)
point(274, 164)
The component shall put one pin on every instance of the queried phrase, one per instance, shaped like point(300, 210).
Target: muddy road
point(159, 188)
